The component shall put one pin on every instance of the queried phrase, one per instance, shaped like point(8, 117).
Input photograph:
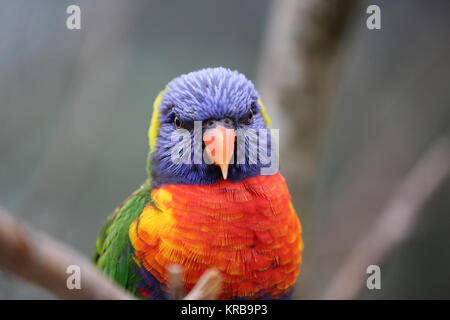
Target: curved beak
point(219, 147)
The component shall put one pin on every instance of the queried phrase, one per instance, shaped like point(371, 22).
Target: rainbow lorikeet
point(214, 212)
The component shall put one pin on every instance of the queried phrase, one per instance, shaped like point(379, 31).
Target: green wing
point(113, 252)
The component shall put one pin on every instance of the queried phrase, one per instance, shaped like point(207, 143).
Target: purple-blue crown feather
point(211, 93)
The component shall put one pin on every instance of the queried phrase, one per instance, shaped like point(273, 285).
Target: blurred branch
point(208, 287)
point(175, 285)
point(395, 222)
point(41, 260)
point(297, 77)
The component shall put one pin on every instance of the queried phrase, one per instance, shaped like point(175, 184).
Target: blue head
point(209, 101)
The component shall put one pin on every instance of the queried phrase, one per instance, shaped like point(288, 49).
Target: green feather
point(113, 252)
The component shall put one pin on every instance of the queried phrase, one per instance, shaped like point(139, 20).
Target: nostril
point(227, 122)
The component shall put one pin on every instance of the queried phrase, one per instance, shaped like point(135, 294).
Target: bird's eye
point(250, 116)
point(177, 123)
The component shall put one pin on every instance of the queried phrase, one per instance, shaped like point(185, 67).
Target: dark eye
point(177, 122)
point(249, 118)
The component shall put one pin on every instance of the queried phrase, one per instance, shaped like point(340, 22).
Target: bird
point(211, 199)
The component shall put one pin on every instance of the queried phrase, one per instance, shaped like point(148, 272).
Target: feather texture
point(245, 226)
point(113, 253)
point(248, 230)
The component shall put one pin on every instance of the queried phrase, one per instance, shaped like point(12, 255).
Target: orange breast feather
point(248, 230)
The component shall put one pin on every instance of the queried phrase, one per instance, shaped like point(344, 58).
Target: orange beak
point(219, 147)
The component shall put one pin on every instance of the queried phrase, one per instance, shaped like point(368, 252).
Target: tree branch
point(395, 222)
point(298, 71)
point(297, 79)
point(208, 287)
point(39, 259)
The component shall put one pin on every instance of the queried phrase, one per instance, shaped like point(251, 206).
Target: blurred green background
point(75, 108)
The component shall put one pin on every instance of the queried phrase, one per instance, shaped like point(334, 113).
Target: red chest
point(248, 230)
